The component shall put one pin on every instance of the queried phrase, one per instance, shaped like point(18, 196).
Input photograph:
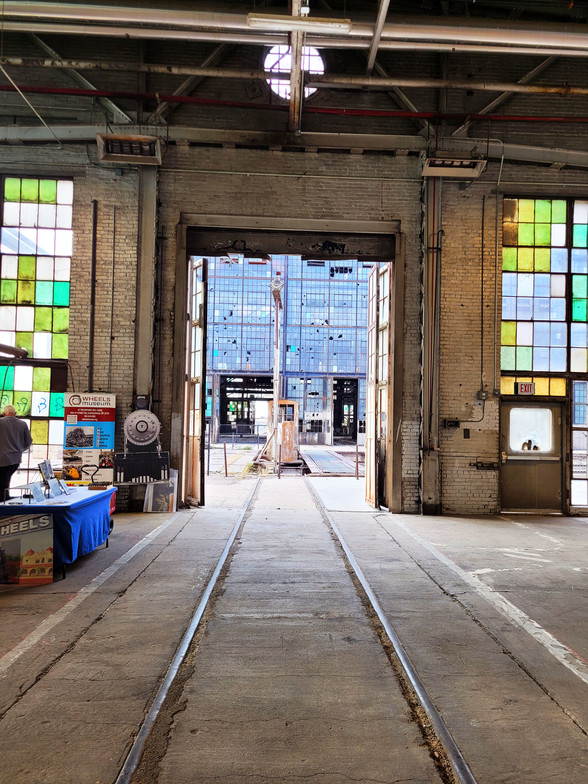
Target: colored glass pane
point(12, 189)
point(29, 190)
point(8, 291)
point(525, 259)
point(44, 292)
point(40, 404)
point(543, 234)
point(524, 358)
point(22, 403)
point(579, 310)
point(542, 259)
point(510, 210)
point(557, 387)
point(527, 210)
point(26, 267)
point(25, 340)
point(558, 211)
point(507, 385)
point(510, 234)
point(61, 293)
point(507, 358)
point(579, 261)
point(60, 319)
point(60, 347)
point(559, 260)
point(48, 191)
point(579, 236)
point(41, 379)
point(6, 398)
point(509, 331)
point(509, 258)
point(43, 319)
point(579, 285)
point(541, 385)
point(526, 235)
point(6, 377)
point(39, 431)
point(25, 292)
point(56, 405)
point(543, 211)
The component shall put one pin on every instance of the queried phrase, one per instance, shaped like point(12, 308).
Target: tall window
point(35, 256)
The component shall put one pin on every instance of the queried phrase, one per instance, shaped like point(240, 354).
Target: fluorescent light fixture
point(465, 168)
point(304, 24)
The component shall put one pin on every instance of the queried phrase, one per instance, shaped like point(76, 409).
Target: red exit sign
point(524, 388)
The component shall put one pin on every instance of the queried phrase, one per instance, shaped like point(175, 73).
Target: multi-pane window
point(36, 240)
point(279, 61)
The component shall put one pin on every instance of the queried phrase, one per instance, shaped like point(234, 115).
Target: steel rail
point(460, 767)
point(134, 756)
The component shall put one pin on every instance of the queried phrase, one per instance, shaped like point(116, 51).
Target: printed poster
point(26, 550)
point(88, 446)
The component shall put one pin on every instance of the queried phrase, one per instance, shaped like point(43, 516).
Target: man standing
point(15, 438)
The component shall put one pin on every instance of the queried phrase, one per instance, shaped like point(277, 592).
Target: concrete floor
point(289, 680)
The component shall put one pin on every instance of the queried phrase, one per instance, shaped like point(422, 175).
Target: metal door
point(531, 474)
point(196, 382)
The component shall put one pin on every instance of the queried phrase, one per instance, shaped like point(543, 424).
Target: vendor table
point(81, 520)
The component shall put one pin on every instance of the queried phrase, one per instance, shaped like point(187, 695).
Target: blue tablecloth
point(81, 521)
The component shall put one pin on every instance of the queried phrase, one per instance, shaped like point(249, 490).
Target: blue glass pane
point(579, 261)
point(509, 308)
point(580, 391)
point(542, 285)
point(541, 334)
point(558, 360)
point(558, 309)
point(509, 284)
point(540, 359)
point(558, 335)
point(541, 309)
point(559, 260)
point(525, 285)
point(579, 415)
point(524, 308)
point(578, 335)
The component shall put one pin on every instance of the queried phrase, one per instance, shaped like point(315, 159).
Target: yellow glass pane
point(524, 380)
point(527, 210)
point(542, 259)
point(509, 333)
point(541, 386)
point(557, 387)
point(40, 431)
point(526, 259)
point(507, 385)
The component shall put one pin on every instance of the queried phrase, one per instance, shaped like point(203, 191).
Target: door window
point(530, 430)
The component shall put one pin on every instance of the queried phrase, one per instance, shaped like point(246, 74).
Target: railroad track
point(448, 760)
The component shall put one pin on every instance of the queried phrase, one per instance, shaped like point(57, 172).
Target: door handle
point(503, 457)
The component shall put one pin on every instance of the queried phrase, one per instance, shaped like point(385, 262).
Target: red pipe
point(192, 99)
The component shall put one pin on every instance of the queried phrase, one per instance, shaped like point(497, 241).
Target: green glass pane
point(6, 377)
point(22, 403)
point(61, 293)
point(509, 333)
point(48, 191)
point(524, 358)
point(507, 358)
point(43, 319)
point(558, 211)
point(579, 310)
point(27, 267)
point(41, 379)
point(6, 398)
point(510, 210)
point(56, 406)
point(30, 190)
point(26, 292)
point(12, 189)
point(44, 293)
point(526, 233)
point(25, 340)
point(543, 211)
point(579, 286)
point(510, 233)
point(60, 319)
point(40, 431)
point(509, 258)
point(579, 240)
point(542, 260)
point(526, 259)
point(527, 210)
point(60, 347)
point(8, 290)
point(543, 234)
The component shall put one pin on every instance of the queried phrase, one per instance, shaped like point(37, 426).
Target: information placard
point(88, 448)
point(26, 549)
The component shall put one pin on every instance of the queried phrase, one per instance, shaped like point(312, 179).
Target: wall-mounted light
point(466, 168)
point(304, 24)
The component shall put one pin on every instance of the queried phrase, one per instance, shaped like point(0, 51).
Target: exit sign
point(524, 388)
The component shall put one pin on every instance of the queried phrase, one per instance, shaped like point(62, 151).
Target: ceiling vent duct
point(120, 148)
point(466, 168)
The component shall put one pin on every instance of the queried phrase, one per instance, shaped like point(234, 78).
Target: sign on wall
point(88, 446)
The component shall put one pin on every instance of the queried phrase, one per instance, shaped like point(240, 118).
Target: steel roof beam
point(380, 20)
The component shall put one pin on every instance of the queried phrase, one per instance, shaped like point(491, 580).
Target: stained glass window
point(36, 240)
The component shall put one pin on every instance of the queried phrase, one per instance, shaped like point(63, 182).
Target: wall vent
point(128, 149)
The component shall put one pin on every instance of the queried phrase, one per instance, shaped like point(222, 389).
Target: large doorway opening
point(345, 410)
point(243, 405)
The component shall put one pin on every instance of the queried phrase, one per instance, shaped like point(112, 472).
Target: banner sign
point(88, 447)
point(26, 549)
